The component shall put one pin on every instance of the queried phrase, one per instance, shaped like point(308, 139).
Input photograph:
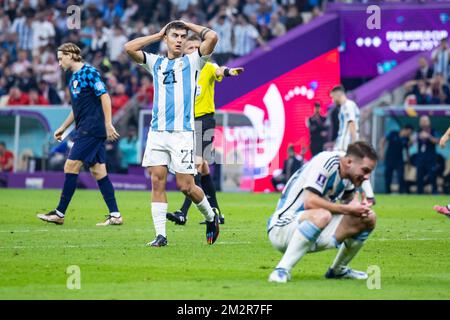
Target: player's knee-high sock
point(205, 208)
point(159, 210)
point(348, 250)
point(301, 241)
point(210, 190)
point(70, 184)
point(367, 188)
point(107, 190)
point(187, 202)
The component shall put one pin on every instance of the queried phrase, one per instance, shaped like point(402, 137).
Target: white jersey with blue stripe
point(175, 82)
point(321, 174)
point(349, 112)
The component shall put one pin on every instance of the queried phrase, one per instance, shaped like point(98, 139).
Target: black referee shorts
point(204, 136)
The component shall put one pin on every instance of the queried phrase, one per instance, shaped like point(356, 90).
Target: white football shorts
point(174, 149)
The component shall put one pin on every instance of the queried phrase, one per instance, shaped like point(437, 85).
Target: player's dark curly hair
point(361, 149)
point(176, 25)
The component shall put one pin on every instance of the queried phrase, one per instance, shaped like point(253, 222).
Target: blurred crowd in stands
point(431, 83)
point(31, 30)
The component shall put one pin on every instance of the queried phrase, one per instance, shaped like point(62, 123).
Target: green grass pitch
point(410, 246)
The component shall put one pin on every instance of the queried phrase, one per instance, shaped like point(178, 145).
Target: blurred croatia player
point(91, 111)
point(316, 212)
point(445, 210)
point(349, 116)
point(171, 140)
point(204, 129)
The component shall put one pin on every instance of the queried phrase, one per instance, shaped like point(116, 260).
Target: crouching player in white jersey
point(316, 212)
point(349, 116)
point(170, 142)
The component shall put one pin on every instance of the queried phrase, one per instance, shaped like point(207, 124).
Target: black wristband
point(204, 32)
point(226, 72)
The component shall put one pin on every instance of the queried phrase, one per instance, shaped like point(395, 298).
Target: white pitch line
point(110, 246)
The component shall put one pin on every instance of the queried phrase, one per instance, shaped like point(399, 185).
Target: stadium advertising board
point(403, 33)
point(278, 111)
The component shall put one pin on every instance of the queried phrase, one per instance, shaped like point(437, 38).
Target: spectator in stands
point(37, 99)
point(17, 97)
point(49, 93)
point(48, 70)
point(440, 93)
point(441, 59)
point(317, 130)
point(88, 32)
point(99, 42)
point(426, 155)
point(128, 147)
point(112, 11)
point(6, 159)
point(146, 92)
point(27, 81)
point(398, 143)
point(293, 18)
point(23, 28)
point(425, 72)
point(116, 42)
point(130, 11)
point(422, 92)
point(251, 7)
point(43, 32)
point(223, 26)
point(245, 36)
point(264, 13)
point(22, 63)
point(119, 98)
point(290, 165)
point(277, 29)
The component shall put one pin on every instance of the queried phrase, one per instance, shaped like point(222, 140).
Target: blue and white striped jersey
point(175, 82)
point(320, 174)
point(349, 112)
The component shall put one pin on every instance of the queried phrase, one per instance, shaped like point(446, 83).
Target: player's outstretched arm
point(208, 36)
point(60, 131)
point(444, 138)
point(111, 132)
point(134, 47)
point(228, 72)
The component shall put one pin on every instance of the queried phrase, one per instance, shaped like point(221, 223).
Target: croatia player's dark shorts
point(89, 150)
point(204, 136)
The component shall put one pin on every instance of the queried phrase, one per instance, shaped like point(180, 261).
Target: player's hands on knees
point(111, 133)
point(58, 134)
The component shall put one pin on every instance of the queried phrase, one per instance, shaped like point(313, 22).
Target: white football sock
point(349, 249)
point(205, 208)
point(159, 210)
point(303, 238)
point(115, 214)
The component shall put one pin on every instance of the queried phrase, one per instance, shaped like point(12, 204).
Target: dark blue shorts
point(90, 150)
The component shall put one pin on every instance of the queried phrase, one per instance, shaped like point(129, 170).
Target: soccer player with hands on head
point(170, 141)
point(204, 130)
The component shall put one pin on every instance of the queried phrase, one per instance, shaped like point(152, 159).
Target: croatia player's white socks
point(367, 188)
point(205, 208)
point(348, 250)
point(300, 243)
point(159, 211)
